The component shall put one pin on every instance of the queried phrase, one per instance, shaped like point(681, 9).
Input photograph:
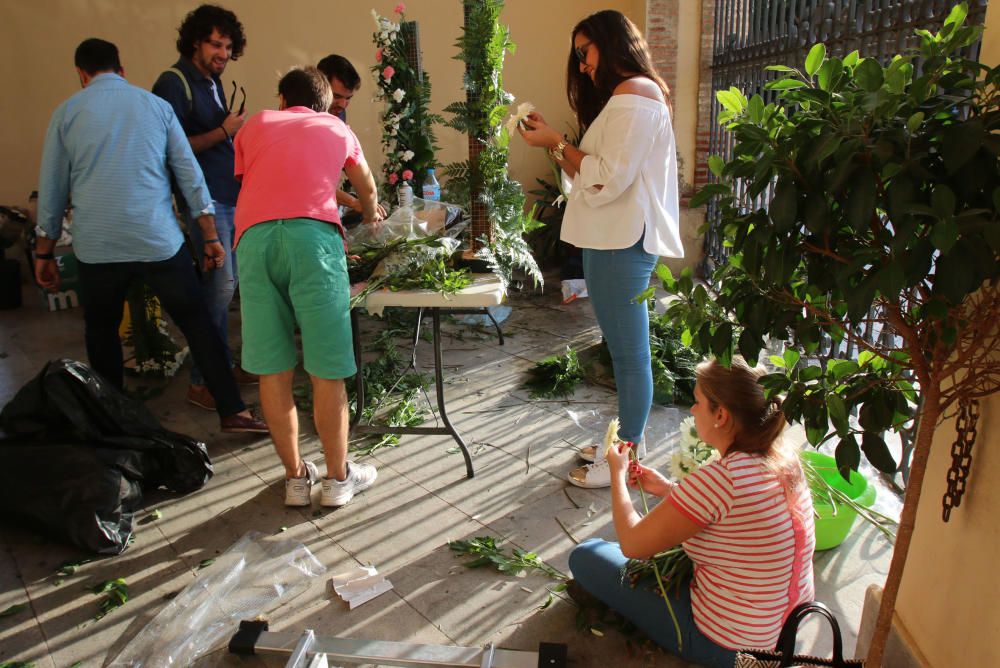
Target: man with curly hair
point(208, 38)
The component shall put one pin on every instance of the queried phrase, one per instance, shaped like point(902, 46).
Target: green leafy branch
point(115, 596)
point(487, 551)
point(555, 376)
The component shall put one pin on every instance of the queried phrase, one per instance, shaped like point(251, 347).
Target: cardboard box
point(69, 285)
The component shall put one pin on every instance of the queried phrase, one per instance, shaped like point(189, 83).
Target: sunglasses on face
point(581, 51)
point(232, 99)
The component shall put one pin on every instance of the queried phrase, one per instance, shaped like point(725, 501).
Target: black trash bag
point(77, 453)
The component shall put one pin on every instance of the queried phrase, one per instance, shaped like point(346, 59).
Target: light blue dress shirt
point(113, 147)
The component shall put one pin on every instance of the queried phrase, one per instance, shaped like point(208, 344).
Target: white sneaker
point(592, 453)
point(340, 492)
point(297, 489)
point(591, 476)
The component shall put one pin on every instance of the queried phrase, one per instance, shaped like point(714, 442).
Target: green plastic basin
point(834, 522)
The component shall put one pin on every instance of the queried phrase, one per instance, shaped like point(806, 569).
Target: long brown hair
point(759, 422)
point(623, 54)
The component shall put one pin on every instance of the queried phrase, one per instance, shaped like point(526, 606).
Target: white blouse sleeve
point(625, 145)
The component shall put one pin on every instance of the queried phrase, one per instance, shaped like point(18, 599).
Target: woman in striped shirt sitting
point(746, 521)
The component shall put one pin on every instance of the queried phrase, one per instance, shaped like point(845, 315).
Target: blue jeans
point(103, 288)
point(597, 566)
point(219, 284)
point(614, 278)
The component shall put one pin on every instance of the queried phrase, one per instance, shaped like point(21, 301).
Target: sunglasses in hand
point(232, 100)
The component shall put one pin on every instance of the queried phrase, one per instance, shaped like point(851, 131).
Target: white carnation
point(522, 112)
point(398, 95)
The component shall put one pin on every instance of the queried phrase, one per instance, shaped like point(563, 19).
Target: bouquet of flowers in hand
point(693, 452)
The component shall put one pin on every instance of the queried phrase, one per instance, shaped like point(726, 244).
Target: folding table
point(485, 291)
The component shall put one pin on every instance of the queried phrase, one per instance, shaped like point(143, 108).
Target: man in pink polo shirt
point(293, 271)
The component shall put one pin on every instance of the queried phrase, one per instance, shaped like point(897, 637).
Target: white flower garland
point(399, 108)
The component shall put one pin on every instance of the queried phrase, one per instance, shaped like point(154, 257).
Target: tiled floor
point(521, 451)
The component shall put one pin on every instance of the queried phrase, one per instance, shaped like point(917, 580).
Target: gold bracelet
point(557, 151)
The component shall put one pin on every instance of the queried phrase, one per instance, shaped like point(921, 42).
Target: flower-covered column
point(408, 141)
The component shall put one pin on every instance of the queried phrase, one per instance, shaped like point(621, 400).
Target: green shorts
point(295, 271)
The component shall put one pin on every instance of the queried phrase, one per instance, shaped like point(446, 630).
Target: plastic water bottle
point(405, 195)
point(432, 189)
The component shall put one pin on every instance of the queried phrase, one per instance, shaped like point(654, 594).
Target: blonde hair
point(758, 421)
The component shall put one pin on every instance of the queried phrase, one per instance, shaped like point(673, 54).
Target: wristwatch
point(557, 151)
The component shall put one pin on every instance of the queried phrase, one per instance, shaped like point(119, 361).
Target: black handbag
point(784, 655)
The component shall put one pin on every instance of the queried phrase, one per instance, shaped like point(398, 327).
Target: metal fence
point(751, 34)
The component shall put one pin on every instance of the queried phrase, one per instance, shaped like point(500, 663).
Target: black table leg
point(439, 387)
point(359, 377)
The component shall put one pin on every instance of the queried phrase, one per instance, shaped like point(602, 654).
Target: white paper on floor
point(359, 585)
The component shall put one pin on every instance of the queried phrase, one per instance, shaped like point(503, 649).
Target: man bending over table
point(293, 270)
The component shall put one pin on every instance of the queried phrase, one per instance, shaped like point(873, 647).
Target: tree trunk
point(921, 451)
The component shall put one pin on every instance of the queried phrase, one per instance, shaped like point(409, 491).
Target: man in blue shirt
point(113, 148)
point(208, 39)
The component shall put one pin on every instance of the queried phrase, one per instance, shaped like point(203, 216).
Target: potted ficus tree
point(884, 219)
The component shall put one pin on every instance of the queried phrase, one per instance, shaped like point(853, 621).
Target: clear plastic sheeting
point(424, 218)
point(256, 575)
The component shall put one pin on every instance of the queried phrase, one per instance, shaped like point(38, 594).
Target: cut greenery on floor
point(673, 365)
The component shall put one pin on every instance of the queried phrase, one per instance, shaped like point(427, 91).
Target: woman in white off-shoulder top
point(622, 202)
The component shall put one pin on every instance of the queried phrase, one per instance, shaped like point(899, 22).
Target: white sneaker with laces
point(297, 489)
point(593, 453)
point(337, 493)
point(591, 476)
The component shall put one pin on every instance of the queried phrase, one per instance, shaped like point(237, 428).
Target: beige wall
point(39, 37)
point(685, 93)
point(948, 597)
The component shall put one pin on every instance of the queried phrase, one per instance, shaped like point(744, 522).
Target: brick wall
point(705, 101)
point(661, 34)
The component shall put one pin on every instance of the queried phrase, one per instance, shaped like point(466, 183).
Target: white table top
point(485, 290)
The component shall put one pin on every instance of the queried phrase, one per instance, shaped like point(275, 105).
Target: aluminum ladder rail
point(307, 650)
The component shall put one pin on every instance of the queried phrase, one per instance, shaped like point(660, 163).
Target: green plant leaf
point(914, 122)
point(839, 369)
point(848, 456)
point(14, 609)
point(869, 75)
point(957, 15)
point(877, 452)
point(817, 54)
point(785, 84)
point(784, 205)
point(830, 74)
point(779, 68)
point(791, 358)
point(755, 108)
point(960, 142)
point(944, 235)
point(730, 101)
point(861, 194)
point(837, 410)
point(716, 164)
